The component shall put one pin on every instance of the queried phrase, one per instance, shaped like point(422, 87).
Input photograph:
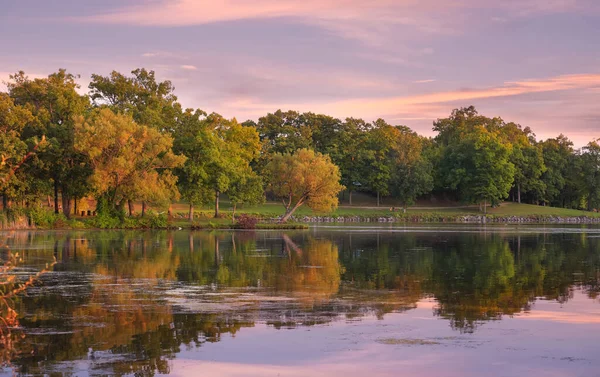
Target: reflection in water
point(130, 302)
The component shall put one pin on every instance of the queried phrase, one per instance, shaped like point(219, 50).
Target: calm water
point(349, 301)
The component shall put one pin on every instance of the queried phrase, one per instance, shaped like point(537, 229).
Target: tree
point(146, 100)
point(344, 142)
point(304, 177)
point(527, 156)
point(590, 162)
point(478, 167)
point(13, 150)
point(410, 171)
point(234, 148)
point(557, 154)
point(193, 139)
point(141, 96)
point(411, 180)
point(130, 160)
point(284, 132)
point(246, 189)
point(55, 102)
point(376, 166)
point(220, 154)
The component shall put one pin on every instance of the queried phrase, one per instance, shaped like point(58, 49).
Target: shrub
point(245, 221)
point(45, 218)
point(105, 221)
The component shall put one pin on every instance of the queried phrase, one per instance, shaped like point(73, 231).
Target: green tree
point(55, 102)
point(410, 171)
point(247, 188)
point(527, 157)
point(145, 99)
point(590, 162)
point(305, 177)
point(234, 148)
point(557, 154)
point(13, 150)
point(478, 166)
point(193, 139)
point(284, 132)
point(376, 165)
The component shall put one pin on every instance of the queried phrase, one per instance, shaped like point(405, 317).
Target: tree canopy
point(304, 177)
point(128, 139)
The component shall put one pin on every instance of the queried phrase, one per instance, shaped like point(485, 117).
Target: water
point(347, 301)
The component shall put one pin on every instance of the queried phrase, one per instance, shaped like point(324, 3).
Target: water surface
point(353, 301)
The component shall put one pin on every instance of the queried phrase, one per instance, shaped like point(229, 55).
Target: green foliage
point(130, 140)
point(44, 218)
point(590, 164)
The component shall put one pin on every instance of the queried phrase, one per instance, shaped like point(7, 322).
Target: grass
point(515, 209)
point(422, 212)
point(272, 210)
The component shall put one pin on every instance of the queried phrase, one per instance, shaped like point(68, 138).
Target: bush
point(245, 221)
point(45, 218)
point(154, 220)
point(105, 221)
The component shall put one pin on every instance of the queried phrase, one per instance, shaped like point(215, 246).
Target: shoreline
point(304, 222)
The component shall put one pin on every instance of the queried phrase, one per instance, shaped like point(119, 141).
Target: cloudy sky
point(535, 62)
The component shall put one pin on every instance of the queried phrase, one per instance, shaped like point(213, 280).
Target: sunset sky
point(535, 62)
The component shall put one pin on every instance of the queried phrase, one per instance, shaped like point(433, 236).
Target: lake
point(330, 301)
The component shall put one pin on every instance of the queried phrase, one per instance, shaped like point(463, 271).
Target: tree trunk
point(66, 204)
point(130, 207)
point(290, 212)
point(485, 207)
point(233, 214)
point(56, 197)
point(4, 203)
point(75, 206)
point(217, 193)
point(49, 201)
point(378, 198)
point(191, 215)
point(519, 193)
point(350, 197)
point(143, 208)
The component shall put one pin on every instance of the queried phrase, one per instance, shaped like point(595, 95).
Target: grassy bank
point(265, 217)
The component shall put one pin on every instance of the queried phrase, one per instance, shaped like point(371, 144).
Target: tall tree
point(284, 132)
point(55, 102)
point(130, 160)
point(557, 154)
point(141, 96)
point(378, 148)
point(411, 172)
point(527, 156)
point(13, 150)
point(478, 166)
point(235, 148)
point(305, 177)
point(193, 139)
point(590, 162)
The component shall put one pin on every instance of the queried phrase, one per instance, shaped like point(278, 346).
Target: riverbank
point(268, 215)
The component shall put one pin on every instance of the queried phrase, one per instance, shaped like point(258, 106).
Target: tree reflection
point(110, 300)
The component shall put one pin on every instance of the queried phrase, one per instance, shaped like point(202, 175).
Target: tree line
point(128, 139)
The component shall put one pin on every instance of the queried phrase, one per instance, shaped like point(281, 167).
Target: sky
point(534, 62)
